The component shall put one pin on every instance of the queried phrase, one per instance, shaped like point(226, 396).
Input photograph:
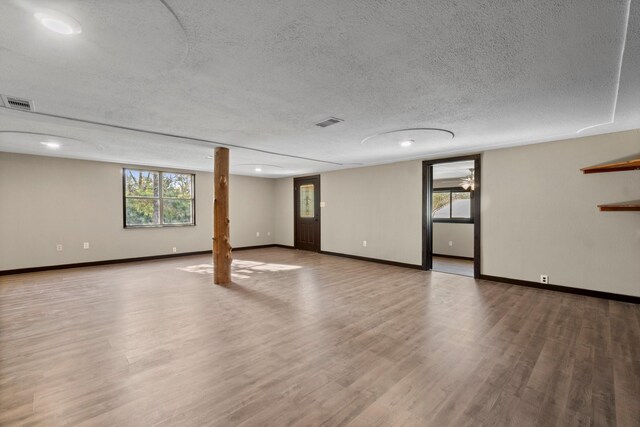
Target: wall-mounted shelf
point(624, 206)
point(629, 165)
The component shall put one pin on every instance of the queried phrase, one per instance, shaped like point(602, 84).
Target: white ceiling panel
point(259, 75)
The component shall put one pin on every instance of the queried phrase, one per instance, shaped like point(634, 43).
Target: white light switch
point(450, 243)
point(322, 204)
point(86, 245)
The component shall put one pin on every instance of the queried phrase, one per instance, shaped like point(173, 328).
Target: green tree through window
point(155, 199)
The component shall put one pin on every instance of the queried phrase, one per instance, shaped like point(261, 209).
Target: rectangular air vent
point(330, 121)
point(17, 103)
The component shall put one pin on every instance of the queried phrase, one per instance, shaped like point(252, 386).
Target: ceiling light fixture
point(470, 181)
point(58, 23)
point(256, 167)
point(400, 136)
point(407, 143)
point(52, 145)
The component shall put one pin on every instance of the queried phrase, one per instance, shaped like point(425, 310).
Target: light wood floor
point(309, 339)
point(442, 264)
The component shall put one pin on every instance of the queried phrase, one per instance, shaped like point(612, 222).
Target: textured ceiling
point(261, 74)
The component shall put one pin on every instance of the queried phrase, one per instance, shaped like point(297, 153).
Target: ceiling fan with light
point(469, 182)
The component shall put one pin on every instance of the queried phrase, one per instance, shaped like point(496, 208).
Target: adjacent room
point(452, 219)
point(404, 213)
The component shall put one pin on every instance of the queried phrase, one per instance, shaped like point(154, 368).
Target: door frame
point(427, 220)
point(316, 207)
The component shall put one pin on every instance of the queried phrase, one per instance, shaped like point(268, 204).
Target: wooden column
point(221, 242)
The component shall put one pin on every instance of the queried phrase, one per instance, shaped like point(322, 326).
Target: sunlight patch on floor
point(241, 268)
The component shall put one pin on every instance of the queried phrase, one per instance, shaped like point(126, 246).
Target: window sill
point(131, 227)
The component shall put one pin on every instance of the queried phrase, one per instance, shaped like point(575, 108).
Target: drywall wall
point(539, 214)
point(250, 210)
point(379, 204)
point(47, 201)
point(283, 211)
point(460, 235)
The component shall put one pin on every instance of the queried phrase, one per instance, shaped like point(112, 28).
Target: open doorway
point(451, 215)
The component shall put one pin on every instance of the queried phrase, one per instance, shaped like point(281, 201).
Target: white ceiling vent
point(17, 103)
point(330, 121)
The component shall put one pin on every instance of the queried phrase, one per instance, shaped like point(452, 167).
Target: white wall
point(250, 210)
point(460, 235)
point(47, 201)
point(539, 214)
point(283, 211)
point(380, 204)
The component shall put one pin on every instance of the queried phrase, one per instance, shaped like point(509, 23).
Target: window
point(158, 199)
point(307, 204)
point(451, 205)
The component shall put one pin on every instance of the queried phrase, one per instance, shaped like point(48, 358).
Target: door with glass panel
point(306, 203)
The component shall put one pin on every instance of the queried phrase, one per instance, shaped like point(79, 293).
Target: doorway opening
point(451, 215)
point(306, 203)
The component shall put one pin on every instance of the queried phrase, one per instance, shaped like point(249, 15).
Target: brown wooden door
point(306, 201)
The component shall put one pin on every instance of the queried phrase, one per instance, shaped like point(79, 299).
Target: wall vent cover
point(328, 122)
point(17, 103)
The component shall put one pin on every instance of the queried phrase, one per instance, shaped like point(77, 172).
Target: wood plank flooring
point(442, 264)
point(307, 339)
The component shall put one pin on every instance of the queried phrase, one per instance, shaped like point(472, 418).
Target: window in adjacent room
point(451, 205)
point(158, 199)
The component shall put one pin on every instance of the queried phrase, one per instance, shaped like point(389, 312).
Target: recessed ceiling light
point(52, 145)
point(408, 136)
point(58, 22)
point(257, 167)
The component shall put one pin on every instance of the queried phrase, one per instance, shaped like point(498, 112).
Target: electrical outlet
point(85, 245)
point(450, 243)
point(268, 233)
point(544, 279)
point(364, 243)
point(59, 247)
point(175, 249)
point(257, 234)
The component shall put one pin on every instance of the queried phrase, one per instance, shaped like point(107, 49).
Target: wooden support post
point(221, 242)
